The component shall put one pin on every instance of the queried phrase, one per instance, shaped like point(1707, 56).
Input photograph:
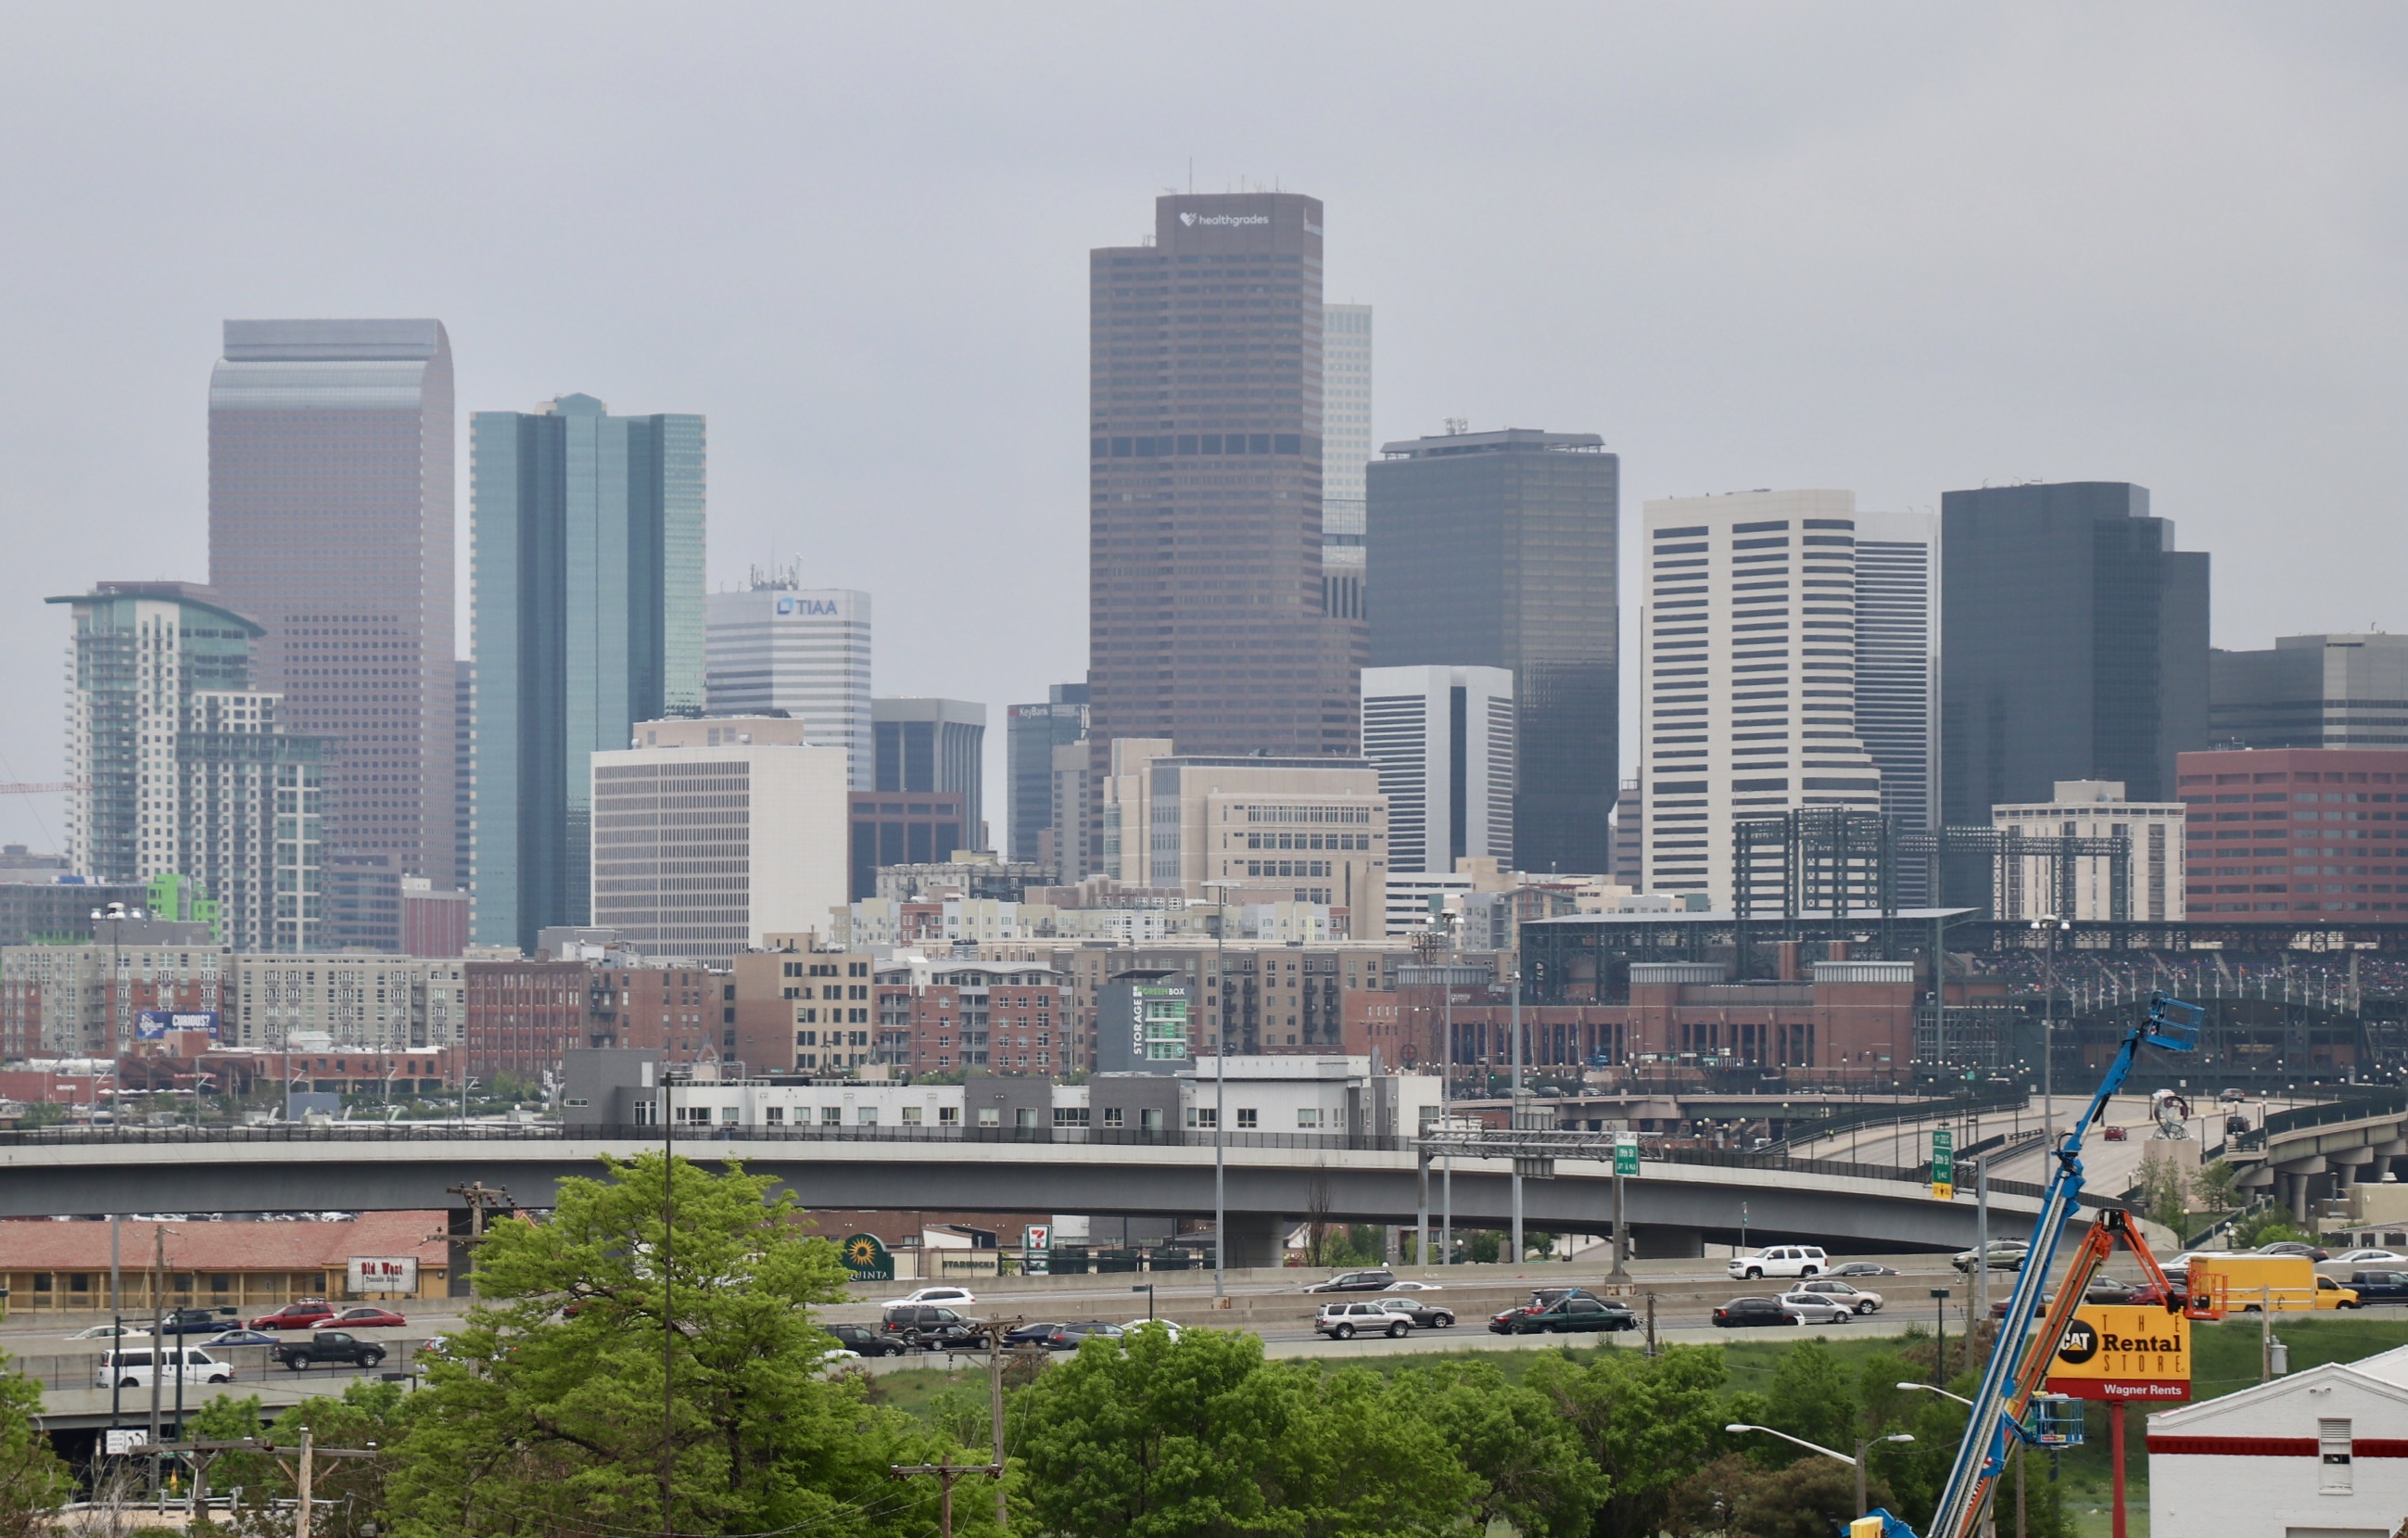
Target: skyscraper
point(2344, 691)
point(777, 647)
point(331, 525)
point(1346, 451)
point(1443, 738)
point(184, 768)
point(588, 617)
point(1500, 549)
point(933, 746)
point(1032, 734)
point(2073, 645)
point(1897, 670)
point(1205, 609)
point(1749, 641)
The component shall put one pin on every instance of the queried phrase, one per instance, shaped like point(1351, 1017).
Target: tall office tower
point(1442, 740)
point(331, 525)
point(934, 746)
point(1500, 549)
point(182, 767)
point(759, 851)
point(1205, 606)
point(2073, 645)
point(1032, 733)
point(777, 647)
point(1749, 637)
point(1898, 671)
point(587, 617)
point(1345, 452)
point(464, 777)
point(2348, 691)
point(1071, 840)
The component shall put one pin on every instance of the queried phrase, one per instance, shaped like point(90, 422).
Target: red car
point(307, 1314)
point(369, 1319)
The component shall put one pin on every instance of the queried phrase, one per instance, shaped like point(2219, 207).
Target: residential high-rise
point(779, 647)
point(1443, 738)
point(1072, 837)
point(1206, 618)
point(1307, 830)
point(182, 767)
point(587, 615)
point(933, 746)
point(1500, 549)
point(331, 525)
point(2345, 691)
point(1749, 641)
point(755, 847)
point(2073, 645)
point(1898, 671)
point(464, 776)
point(1032, 735)
point(1346, 451)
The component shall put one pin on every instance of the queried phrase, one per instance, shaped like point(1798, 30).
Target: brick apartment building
point(2288, 835)
point(522, 1014)
point(794, 1007)
point(950, 1014)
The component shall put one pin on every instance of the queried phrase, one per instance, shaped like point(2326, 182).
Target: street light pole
point(2052, 925)
point(1219, 1097)
point(1863, 1446)
point(1518, 1110)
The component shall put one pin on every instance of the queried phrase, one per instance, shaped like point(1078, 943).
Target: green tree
point(1810, 1499)
point(42, 1113)
point(2215, 1190)
point(1147, 1437)
point(547, 1415)
point(33, 1479)
point(2164, 1192)
point(1645, 1423)
point(1537, 1477)
point(1809, 1397)
point(2266, 1224)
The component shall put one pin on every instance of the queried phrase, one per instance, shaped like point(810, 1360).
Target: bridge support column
point(1668, 1242)
point(1254, 1240)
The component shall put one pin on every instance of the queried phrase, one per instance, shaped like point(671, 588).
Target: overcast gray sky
point(1894, 247)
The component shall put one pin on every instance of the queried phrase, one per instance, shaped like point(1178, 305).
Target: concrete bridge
point(1673, 1207)
point(2313, 1151)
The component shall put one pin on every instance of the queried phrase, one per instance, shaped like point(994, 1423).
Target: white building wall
point(803, 651)
point(2096, 808)
point(2315, 1455)
point(1345, 449)
point(1407, 733)
point(1898, 669)
point(1748, 640)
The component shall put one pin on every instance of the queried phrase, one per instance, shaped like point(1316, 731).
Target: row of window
point(1203, 443)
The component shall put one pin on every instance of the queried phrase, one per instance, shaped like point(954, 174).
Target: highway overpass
point(1675, 1205)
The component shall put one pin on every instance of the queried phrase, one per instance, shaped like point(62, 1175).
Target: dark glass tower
point(331, 525)
point(2073, 645)
point(1205, 620)
point(1500, 549)
point(1032, 732)
point(587, 616)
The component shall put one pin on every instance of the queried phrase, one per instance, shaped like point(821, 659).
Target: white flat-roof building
point(1443, 738)
point(780, 646)
point(2320, 1454)
point(2096, 808)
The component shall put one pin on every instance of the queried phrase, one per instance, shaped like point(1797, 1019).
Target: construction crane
point(2002, 1406)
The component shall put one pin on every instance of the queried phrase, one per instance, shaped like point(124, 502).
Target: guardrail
point(2357, 1108)
point(1810, 1129)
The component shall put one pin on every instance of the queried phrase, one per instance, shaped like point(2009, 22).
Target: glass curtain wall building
point(185, 770)
point(1500, 549)
point(1206, 619)
point(587, 617)
point(2073, 645)
point(1033, 734)
point(331, 525)
point(933, 746)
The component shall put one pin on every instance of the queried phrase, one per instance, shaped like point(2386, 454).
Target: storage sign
point(2115, 1352)
point(382, 1273)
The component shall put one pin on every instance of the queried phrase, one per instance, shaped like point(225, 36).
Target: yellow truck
point(2281, 1283)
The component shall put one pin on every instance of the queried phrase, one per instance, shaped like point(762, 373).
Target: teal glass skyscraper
point(586, 617)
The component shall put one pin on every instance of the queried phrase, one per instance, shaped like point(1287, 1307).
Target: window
point(1115, 1116)
point(2333, 1455)
point(1203, 1117)
point(831, 1115)
point(949, 1116)
point(1248, 1116)
point(989, 1116)
point(774, 1116)
point(1308, 1116)
point(866, 1115)
point(729, 1116)
point(910, 1115)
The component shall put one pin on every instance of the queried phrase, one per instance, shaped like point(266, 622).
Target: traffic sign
point(1626, 1154)
point(1943, 1164)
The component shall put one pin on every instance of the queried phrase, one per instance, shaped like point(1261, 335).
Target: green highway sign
point(1626, 1155)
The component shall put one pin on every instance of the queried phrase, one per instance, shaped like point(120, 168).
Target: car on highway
point(198, 1321)
point(1746, 1312)
point(935, 1295)
point(1135, 1325)
point(1577, 1315)
point(1356, 1281)
point(1424, 1315)
point(131, 1369)
point(2367, 1259)
point(862, 1340)
point(2114, 1134)
point(2292, 1247)
point(2233, 1096)
point(1413, 1286)
point(242, 1337)
point(371, 1318)
point(104, 1333)
point(925, 1327)
point(2380, 1287)
point(1070, 1337)
point(1863, 1267)
point(308, 1314)
point(1344, 1321)
point(332, 1346)
point(1780, 1260)
point(1858, 1300)
point(1999, 1254)
point(1813, 1308)
point(1035, 1333)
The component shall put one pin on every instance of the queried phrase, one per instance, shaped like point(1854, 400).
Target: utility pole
point(1446, 1116)
point(1981, 1238)
point(300, 1507)
point(1220, 1099)
point(669, 1317)
point(1520, 1114)
point(117, 1318)
point(158, 1336)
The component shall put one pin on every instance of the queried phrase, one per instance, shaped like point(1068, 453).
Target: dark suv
point(1356, 1281)
point(864, 1341)
point(926, 1327)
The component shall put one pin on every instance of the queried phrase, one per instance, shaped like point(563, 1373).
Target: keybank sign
point(1193, 219)
point(807, 606)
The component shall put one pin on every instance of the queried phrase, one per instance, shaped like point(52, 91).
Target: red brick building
point(2286, 835)
point(522, 1014)
point(947, 1014)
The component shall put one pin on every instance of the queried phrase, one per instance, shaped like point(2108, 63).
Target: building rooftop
point(1508, 440)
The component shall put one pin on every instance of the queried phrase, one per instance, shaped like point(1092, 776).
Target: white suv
point(131, 1369)
point(1344, 1321)
point(1780, 1260)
